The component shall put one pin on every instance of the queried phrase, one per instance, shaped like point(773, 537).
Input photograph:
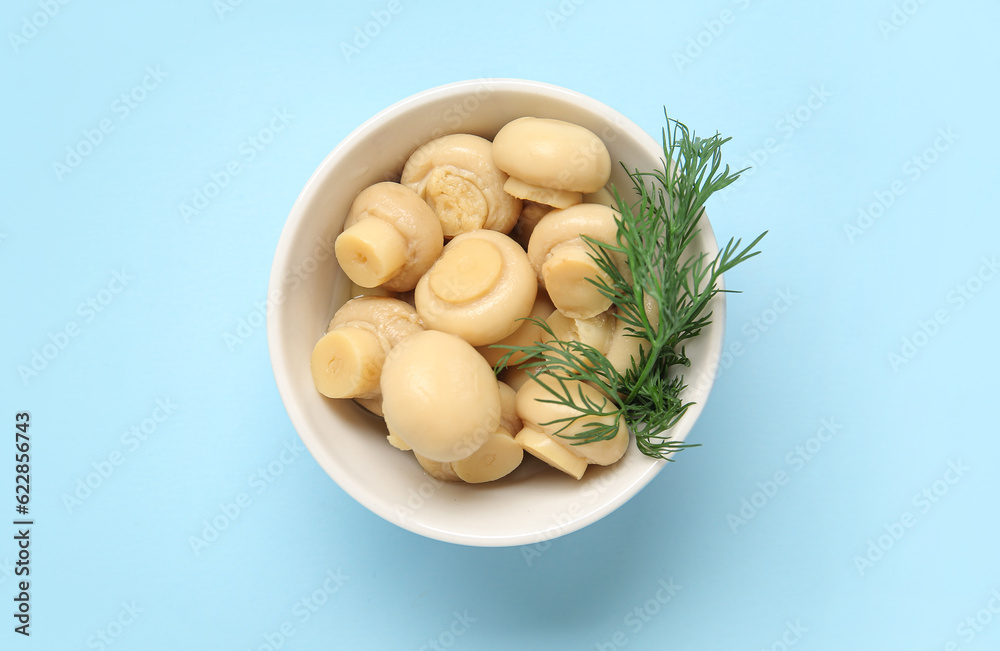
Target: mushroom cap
point(552, 154)
point(479, 289)
point(439, 396)
point(400, 207)
point(457, 177)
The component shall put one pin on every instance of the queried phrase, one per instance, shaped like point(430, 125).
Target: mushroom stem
point(371, 252)
point(543, 447)
point(499, 456)
point(345, 363)
point(565, 274)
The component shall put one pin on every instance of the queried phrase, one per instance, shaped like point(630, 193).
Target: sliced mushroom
point(458, 179)
point(563, 260)
point(479, 288)
point(551, 161)
point(347, 361)
point(527, 333)
point(543, 417)
point(390, 238)
point(439, 396)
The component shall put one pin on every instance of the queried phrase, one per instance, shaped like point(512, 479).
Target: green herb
point(653, 235)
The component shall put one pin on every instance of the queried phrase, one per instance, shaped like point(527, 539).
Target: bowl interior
point(535, 503)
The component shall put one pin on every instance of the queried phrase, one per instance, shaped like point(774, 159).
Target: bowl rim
point(281, 366)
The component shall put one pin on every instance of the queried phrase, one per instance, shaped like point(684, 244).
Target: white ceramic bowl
point(535, 503)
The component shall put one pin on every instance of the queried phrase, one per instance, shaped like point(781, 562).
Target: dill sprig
point(662, 296)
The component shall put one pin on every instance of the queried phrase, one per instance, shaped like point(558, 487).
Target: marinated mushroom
point(458, 179)
point(439, 396)
point(551, 161)
point(597, 331)
point(542, 421)
point(562, 259)
point(390, 238)
point(347, 361)
point(478, 289)
point(527, 333)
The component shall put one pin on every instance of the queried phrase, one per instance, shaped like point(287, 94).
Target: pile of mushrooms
point(446, 266)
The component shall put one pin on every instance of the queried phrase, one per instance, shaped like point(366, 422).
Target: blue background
point(879, 227)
